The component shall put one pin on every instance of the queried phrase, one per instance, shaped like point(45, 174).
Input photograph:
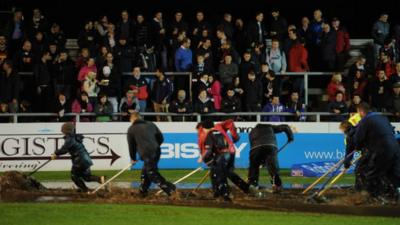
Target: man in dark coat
point(328, 48)
point(278, 25)
point(375, 133)
point(263, 150)
point(9, 86)
point(64, 75)
point(380, 90)
point(231, 103)
point(256, 30)
point(42, 77)
point(253, 91)
point(81, 161)
point(145, 138)
point(124, 55)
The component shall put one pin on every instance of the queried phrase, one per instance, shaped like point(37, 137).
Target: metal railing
point(190, 75)
point(305, 75)
point(198, 117)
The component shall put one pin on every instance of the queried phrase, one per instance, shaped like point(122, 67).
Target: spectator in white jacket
point(276, 58)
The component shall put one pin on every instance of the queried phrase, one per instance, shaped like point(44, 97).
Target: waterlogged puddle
point(92, 185)
point(52, 199)
point(266, 186)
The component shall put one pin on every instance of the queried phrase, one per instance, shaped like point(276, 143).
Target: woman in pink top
point(89, 67)
point(215, 91)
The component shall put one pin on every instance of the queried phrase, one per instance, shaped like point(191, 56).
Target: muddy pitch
point(16, 187)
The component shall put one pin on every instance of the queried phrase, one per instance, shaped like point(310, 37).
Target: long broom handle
point(331, 183)
point(283, 147)
point(325, 174)
point(188, 175)
point(112, 178)
point(183, 178)
point(201, 181)
point(41, 166)
point(336, 179)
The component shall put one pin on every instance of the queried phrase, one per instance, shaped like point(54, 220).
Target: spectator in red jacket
point(342, 44)
point(334, 86)
point(298, 57)
point(298, 62)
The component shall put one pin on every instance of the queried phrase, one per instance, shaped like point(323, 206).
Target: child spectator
point(103, 109)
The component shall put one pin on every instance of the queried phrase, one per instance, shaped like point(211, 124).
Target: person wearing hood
point(81, 161)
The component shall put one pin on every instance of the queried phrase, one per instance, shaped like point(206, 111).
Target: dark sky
point(357, 15)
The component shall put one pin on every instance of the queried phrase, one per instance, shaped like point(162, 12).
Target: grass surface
point(112, 214)
point(173, 175)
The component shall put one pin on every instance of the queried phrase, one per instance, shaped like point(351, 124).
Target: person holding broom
point(145, 138)
point(216, 154)
point(348, 128)
point(263, 150)
point(375, 133)
point(81, 161)
point(223, 127)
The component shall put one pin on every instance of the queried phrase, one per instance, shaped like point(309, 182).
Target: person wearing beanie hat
point(68, 128)
point(263, 151)
point(81, 161)
point(207, 124)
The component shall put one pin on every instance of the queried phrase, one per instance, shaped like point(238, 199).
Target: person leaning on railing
point(129, 104)
point(339, 107)
point(161, 94)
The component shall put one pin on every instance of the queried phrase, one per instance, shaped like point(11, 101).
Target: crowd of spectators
point(233, 69)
